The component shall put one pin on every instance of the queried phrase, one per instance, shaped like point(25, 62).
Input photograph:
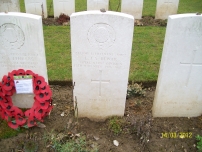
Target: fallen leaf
point(96, 138)
point(41, 125)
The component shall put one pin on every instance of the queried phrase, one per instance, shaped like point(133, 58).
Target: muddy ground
point(139, 130)
point(145, 21)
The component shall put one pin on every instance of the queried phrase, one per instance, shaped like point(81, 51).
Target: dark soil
point(145, 21)
point(139, 130)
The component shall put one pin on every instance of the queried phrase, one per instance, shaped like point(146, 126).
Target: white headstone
point(132, 7)
point(66, 7)
point(22, 47)
point(97, 4)
point(9, 6)
point(37, 7)
point(164, 8)
point(179, 86)
point(101, 50)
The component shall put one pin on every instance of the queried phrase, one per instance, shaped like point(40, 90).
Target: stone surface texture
point(97, 4)
point(132, 7)
point(164, 8)
point(66, 7)
point(101, 50)
point(9, 6)
point(22, 47)
point(37, 7)
point(179, 87)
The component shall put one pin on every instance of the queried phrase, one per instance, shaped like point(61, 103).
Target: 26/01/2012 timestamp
point(176, 135)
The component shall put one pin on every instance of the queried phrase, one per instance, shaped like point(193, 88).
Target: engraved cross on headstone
point(35, 3)
point(63, 3)
point(100, 81)
point(191, 64)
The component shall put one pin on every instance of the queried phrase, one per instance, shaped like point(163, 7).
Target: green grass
point(147, 42)
point(22, 6)
point(65, 144)
point(146, 50)
point(146, 53)
point(115, 125)
point(145, 59)
point(199, 143)
point(6, 132)
point(58, 52)
point(185, 6)
point(190, 6)
point(149, 6)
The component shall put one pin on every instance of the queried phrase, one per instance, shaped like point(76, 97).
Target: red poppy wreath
point(42, 101)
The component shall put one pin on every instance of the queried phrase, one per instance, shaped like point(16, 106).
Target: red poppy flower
point(48, 95)
point(41, 97)
point(8, 99)
point(13, 125)
point(6, 115)
point(35, 76)
point(48, 110)
point(9, 93)
point(7, 84)
point(29, 72)
point(36, 89)
point(2, 92)
point(20, 120)
point(17, 111)
point(30, 113)
point(7, 105)
point(43, 87)
point(27, 113)
point(39, 113)
point(5, 79)
point(50, 101)
point(44, 105)
point(13, 73)
point(31, 123)
point(44, 96)
point(2, 99)
point(2, 113)
point(39, 80)
point(20, 72)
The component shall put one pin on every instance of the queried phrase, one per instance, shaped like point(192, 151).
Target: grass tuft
point(7, 132)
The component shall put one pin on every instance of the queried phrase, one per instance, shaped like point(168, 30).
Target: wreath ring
point(42, 101)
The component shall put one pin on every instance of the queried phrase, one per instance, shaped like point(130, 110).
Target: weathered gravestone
point(133, 7)
point(37, 7)
point(164, 8)
point(22, 46)
point(97, 4)
point(9, 6)
point(179, 86)
point(66, 7)
point(101, 49)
